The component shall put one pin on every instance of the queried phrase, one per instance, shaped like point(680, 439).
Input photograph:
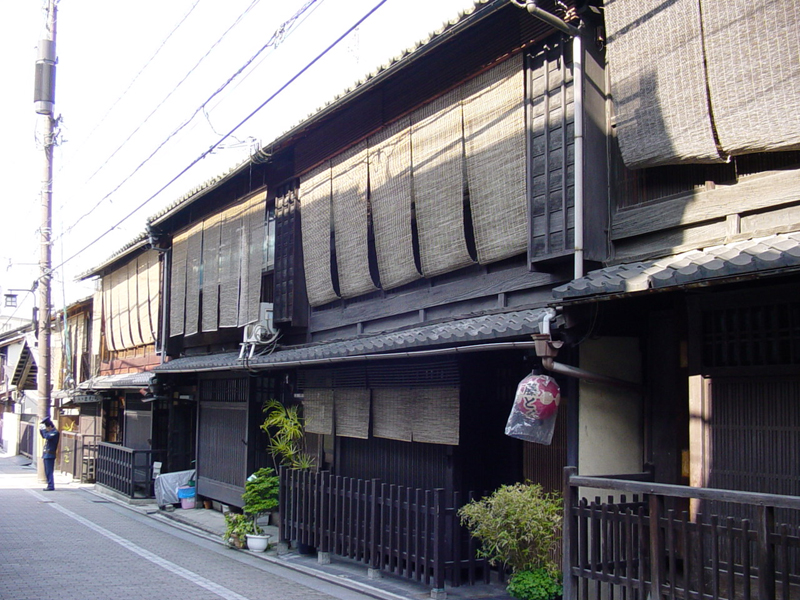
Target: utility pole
point(44, 99)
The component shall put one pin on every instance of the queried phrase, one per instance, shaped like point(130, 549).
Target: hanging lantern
point(538, 397)
point(533, 414)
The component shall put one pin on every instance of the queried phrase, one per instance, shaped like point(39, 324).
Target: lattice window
point(751, 336)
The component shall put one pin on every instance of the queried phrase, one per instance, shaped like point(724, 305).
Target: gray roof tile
point(736, 259)
point(505, 326)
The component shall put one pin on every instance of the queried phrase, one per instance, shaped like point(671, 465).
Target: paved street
point(73, 544)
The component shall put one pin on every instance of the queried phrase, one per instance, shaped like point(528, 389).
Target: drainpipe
point(547, 349)
point(577, 78)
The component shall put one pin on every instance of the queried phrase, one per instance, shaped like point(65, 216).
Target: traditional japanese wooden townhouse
point(383, 265)
point(18, 358)
point(698, 303)
point(136, 424)
point(70, 344)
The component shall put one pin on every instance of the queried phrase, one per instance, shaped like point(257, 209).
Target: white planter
point(257, 543)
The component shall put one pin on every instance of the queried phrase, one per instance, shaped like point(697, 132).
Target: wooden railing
point(78, 455)
point(128, 471)
point(670, 541)
point(27, 439)
point(412, 533)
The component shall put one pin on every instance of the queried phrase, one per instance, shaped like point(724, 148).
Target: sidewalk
point(340, 571)
point(210, 524)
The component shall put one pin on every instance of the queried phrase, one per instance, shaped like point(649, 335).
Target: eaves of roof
point(769, 255)
point(119, 381)
point(479, 10)
point(140, 241)
point(486, 332)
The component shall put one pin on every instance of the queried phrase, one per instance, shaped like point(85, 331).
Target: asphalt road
point(72, 544)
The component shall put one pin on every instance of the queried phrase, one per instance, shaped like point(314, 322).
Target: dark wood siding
point(290, 298)
point(545, 464)
point(222, 439)
point(407, 464)
point(754, 434)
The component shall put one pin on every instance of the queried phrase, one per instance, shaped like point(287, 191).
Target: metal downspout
point(577, 78)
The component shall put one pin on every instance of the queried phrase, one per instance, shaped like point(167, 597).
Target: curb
point(350, 584)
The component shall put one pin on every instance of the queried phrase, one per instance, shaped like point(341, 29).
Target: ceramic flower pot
point(257, 543)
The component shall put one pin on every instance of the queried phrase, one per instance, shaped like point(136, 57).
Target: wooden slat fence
point(77, 454)
point(677, 542)
point(27, 441)
point(128, 471)
point(409, 532)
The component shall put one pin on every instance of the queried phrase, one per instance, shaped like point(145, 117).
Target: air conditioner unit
point(262, 331)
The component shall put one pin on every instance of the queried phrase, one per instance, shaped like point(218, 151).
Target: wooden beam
point(753, 194)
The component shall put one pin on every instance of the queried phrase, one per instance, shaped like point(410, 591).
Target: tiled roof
point(737, 259)
point(122, 380)
point(404, 56)
point(486, 328)
point(136, 243)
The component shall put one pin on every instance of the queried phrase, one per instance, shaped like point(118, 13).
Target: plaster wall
point(10, 433)
point(610, 439)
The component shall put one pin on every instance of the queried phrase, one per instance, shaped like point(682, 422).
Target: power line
point(142, 124)
point(130, 85)
point(227, 135)
point(277, 37)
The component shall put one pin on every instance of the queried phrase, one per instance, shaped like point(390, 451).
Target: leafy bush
point(518, 526)
point(535, 585)
point(284, 428)
point(260, 494)
point(238, 525)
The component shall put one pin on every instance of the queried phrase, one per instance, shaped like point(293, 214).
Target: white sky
point(102, 45)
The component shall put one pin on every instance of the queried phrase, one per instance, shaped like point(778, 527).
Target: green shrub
point(239, 525)
point(518, 525)
point(535, 585)
point(260, 494)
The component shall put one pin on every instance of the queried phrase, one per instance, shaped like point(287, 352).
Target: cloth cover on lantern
point(533, 416)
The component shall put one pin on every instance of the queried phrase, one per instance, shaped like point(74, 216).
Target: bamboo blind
point(256, 261)
point(143, 265)
point(392, 416)
point(656, 64)
point(318, 410)
point(108, 311)
point(154, 293)
point(753, 73)
point(194, 258)
point(133, 303)
point(351, 412)
point(390, 192)
point(350, 217)
point(494, 134)
point(119, 298)
point(230, 266)
point(419, 414)
point(211, 263)
point(177, 295)
point(438, 170)
point(315, 203)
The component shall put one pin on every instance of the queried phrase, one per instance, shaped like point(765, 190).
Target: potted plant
point(237, 526)
point(286, 442)
point(284, 428)
point(519, 527)
point(260, 497)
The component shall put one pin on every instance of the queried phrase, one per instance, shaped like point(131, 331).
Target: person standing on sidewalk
point(50, 434)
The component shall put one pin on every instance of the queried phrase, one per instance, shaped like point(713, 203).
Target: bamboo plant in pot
point(260, 497)
point(286, 441)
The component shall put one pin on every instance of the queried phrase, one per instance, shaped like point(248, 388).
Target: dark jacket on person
point(50, 442)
